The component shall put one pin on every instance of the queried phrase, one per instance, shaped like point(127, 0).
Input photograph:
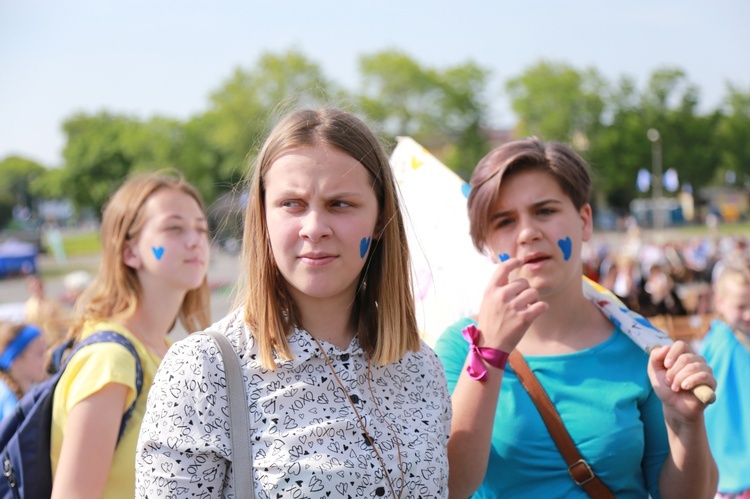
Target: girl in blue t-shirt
point(632, 416)
point(727, 350)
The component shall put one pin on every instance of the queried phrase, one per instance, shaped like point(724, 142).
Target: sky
point(165, 57)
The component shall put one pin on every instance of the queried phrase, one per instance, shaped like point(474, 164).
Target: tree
point(95, 160)
point(243, 106)
point(733, 131)
point(557, 102)
point(435, 107)
point(670, 104)
point(16, 176)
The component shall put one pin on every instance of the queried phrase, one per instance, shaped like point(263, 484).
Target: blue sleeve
point(656, 442)
point(8, 400)
point(452, 350)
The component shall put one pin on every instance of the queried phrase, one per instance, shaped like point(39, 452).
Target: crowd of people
point(343, 397)
point(674, 277)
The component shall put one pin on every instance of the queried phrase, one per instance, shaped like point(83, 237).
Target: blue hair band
point(18, 345)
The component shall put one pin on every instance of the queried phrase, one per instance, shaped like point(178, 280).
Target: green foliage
point(16, 177)
point(436, 107)
point(86, 243)
point(212, 149)
point(557, 102)
point(443, 108)
point(243, 106)
point(96, 157)
point(608, 123)
point(733, 135)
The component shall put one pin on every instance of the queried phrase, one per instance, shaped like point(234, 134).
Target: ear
point(130, 256)
point(588, 222)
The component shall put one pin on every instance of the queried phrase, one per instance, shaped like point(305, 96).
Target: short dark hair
point(570, 171)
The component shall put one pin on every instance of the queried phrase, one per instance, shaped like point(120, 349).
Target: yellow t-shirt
point(89, 371)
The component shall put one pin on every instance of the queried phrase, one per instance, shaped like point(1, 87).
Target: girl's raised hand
point(674, 371)
point(508, 308)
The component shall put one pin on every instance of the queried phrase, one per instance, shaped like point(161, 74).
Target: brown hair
point(384, 306)
point(569, 170)
point(114, 293)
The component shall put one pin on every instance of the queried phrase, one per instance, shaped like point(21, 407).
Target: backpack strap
point(114, 337)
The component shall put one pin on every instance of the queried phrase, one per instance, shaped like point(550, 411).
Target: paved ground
point(222, 273)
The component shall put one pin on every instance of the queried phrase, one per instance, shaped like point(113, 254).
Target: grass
point(85, 243)
point(677, 233)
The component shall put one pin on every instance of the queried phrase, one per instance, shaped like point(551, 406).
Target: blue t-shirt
point(8, 400)
point(728, 419)
point(606, 401)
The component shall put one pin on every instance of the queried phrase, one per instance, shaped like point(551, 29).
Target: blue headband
point(17, 346)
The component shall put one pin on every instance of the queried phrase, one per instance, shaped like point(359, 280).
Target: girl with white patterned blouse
point(344, 398)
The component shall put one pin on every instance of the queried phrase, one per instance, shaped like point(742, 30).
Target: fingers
point(508, 308)
point(683, 369)
point(501, 276)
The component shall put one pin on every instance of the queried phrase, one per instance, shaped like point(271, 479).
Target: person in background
point(43, 311)
point(632, 416)
point(75, 283)
point(345, 400)
point(22, 358)
point(727, 350)
point(658, 295)
point(153, 268)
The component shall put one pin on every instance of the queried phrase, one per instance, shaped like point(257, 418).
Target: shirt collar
point(304, 348)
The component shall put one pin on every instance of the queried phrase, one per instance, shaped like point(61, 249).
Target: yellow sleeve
point(92, 368)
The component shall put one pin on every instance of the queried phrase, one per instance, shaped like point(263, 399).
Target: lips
point(535, 258)
point(316, 259)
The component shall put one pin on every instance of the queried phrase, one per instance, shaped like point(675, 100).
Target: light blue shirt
point(728, 419)
point(8, 400)
point(606, 401)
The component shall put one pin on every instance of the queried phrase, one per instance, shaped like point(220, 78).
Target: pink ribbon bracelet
point(494, 357)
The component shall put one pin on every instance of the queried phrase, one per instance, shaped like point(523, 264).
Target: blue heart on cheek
point(566, 245)
point(503, 257)
point(364, 244)
point(158, 251)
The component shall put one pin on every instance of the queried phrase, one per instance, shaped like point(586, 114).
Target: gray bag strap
point(239, 419)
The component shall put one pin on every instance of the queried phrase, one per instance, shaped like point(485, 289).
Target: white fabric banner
point(449, 274)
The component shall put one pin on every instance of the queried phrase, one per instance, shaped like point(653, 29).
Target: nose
point(528, 231)
point(315, 226)
point(195, 237)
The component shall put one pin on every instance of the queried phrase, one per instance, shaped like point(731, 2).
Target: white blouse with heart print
point(307, 441)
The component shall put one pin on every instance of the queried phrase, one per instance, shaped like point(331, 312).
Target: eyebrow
point(290, 191)
point(180, 217)
point(538, 204)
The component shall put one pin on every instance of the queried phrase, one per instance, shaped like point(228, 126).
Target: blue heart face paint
point(566, 245)
point(158, 251)
point(364, 244)
point(503, 257)
point(466, 190)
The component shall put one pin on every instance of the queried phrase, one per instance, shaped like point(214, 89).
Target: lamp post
point(655, 138)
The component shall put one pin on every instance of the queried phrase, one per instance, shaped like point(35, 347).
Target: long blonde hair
point(115, 292)
point(384, 306)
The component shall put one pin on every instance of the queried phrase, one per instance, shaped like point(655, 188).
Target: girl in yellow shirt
point(155, 254)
